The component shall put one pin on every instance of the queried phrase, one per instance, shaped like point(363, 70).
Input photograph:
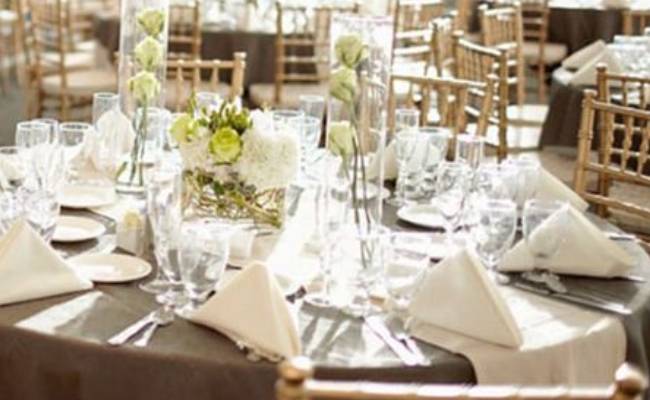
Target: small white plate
point(77, 229)
point(86, 196)
point(110, 268)
point(424, 215)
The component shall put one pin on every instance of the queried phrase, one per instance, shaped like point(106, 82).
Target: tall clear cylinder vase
point(360, 67)
point(142, 69)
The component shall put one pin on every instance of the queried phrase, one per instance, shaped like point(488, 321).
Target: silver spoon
point(160, 318)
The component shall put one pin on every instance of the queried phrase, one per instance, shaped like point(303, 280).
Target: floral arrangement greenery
point(237, 164)
point(144, 86)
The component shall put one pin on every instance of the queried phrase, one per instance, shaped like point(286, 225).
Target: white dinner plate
point(87, 196)
point(110, 268)
point(77, 229)
point(423, 215)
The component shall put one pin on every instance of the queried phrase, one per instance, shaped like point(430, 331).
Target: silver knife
point(380, 330)
point(574, 298)
point(131, 330)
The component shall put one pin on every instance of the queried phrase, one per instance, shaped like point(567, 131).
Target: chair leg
point(541, 76)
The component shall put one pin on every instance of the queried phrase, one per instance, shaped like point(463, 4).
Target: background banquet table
point(217, 44)
point(578, 23)
point(563, 118)
point(55, 348)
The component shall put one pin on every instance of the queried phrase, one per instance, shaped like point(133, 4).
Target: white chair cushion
point(519, 137)
point(73, 60)
point(262, 93)
point(554, 53)
point(527, 114)
point(82, 83)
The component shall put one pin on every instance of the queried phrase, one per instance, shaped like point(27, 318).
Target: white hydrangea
point(270, 159)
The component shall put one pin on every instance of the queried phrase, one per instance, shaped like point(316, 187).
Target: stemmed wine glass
point(470, 149)
point(53, 127)
point(406, 258)
point(71, 137)
point(452, 186)
point(408, 146)
point(407, 121)
point(312, 106)
point(544, 224)
point(496, 181)
point(437, 145)
point(527, 181)
point(494, 232)
point(30, 134)
point(12, 186)
point(204, 260)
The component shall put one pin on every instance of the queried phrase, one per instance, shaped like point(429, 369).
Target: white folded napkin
point(551, 188)
point(115, 135)
point(586, 75)
point(585, 250)
point(251, 309)
point(30, 269)
point(458, 295)
point(584, 55)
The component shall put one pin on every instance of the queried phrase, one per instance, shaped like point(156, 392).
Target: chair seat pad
point(73, 60)
point(527, 114)
point(519, 137)
point(174, 97)
point(83, 83)
point(262, 93)
point(554, 53)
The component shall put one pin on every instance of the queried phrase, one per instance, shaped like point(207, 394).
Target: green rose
point(340, 138)
point(151, 21)
point(350, 50)
point(225, 145)
point(343, 85)
point(144, 86)
point(149, 54)
point(184, 128)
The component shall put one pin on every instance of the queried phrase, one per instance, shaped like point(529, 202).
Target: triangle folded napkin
point(585, 249)
point(30, 269)
point(584, 55)
point(251, 309)
point(457, 295)
point(586, 75)
point(551, 188)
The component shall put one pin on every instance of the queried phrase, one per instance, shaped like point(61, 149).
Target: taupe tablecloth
point(217, 44)
point(54, 348)
point(563, 118)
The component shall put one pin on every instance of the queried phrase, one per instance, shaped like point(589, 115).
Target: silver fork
point(160, 318)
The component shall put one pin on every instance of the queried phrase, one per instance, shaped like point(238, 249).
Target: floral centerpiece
point(237, 165)
point(143, 53)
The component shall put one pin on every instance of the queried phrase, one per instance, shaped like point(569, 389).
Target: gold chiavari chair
point(189, 78)
point(456, 102)
point(412, 34)
point(502, 27)
point(621, 130)
point(473, 62)
point(296, 382)
point(8, 42)
point(442, 32)
point(301, 54)
point(185, 36)
point(60, 87)
point(464, 13)
point(635, 21)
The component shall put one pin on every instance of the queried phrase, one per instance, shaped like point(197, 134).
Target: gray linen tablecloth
point(54, 348)
point(565, 105)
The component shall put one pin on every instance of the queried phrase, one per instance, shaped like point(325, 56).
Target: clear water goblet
point(409, 150)
point(71, 137)
point(406, 258)
point(435, 153)
point(494, 233)
point(286, 118)
point(201, 278)
point(312, 106)
point(496, 181)
point(104, 102)
point(13, 168)
point(406, 119)
point(470, 149)
point(544, 226)
point(452, 186)
point(527, 182)
point(53, 126)
point(30, 134)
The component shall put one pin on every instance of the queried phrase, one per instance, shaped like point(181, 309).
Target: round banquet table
point(55, 348)
point(216, 44)
point(577, 23)
point(565, 105)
